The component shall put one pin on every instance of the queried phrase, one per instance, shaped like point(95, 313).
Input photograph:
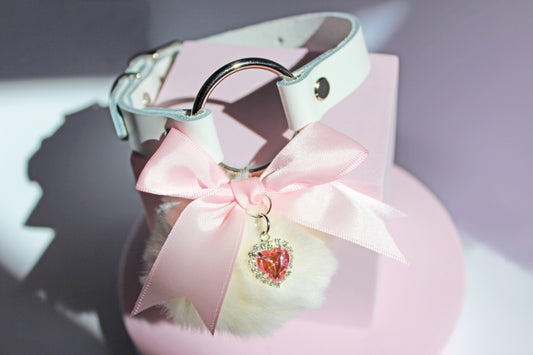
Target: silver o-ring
point(225, 71)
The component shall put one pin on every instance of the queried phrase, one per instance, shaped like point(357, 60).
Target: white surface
point(498, 313)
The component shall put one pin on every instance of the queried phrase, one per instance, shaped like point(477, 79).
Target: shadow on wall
point(89, 200)
point(76, 37)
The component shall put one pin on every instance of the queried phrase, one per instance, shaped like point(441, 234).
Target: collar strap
point(318, 85)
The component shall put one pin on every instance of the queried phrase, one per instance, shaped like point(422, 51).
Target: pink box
point(252, 128)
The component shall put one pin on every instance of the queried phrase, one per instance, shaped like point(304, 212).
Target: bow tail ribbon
point(337, 210)
point(196, 260)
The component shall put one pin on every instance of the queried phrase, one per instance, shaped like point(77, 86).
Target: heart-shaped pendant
point(271, 261)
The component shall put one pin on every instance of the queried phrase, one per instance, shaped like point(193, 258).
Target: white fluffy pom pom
point(252, 307)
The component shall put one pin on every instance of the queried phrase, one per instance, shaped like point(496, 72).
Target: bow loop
point(180, 168)
point(315, 156)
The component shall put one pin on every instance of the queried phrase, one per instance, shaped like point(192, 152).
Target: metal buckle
point(154, 53)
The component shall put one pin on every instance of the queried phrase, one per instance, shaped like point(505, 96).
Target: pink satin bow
point(198, 256)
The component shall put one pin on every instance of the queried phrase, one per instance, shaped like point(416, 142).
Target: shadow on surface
point(28, 326)
point(89, 200)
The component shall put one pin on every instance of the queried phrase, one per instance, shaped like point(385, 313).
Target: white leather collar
point(344, 63)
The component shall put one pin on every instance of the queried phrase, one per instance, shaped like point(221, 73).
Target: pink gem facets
point(271, 261)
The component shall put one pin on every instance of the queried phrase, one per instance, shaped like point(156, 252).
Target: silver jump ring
point(227, 70)
point(267, 229)
point(262, 214)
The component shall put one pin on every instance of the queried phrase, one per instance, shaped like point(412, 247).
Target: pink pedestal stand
point(417, 307)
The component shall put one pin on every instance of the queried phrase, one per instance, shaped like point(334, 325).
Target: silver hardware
point(227, 70)
point(264, 216)
point(146, 99)
point(321, 89)
point(155, 55)
point(264, 234)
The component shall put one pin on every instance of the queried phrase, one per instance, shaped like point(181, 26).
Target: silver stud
point(146, 99)
point(321, 89)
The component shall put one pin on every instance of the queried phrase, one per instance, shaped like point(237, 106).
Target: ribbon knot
point(302, 184)
point(248, 192)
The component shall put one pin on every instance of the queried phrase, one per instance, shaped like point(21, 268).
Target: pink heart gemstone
point(274, 263)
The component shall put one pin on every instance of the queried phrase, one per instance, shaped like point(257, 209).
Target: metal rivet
point(321, 89)
point(146, 99)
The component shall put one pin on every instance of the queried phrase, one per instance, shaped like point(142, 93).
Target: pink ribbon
point(198, 256)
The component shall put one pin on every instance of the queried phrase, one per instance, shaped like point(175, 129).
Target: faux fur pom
point(252, 307)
